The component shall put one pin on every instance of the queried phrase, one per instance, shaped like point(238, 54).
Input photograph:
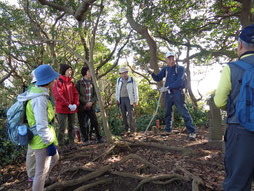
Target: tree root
point(115, 149)
point(196, 180)
point(87, 186)
point(171, 178)
point(187, 176)
point(66, 155)
point(96, 173)
point(184, 151)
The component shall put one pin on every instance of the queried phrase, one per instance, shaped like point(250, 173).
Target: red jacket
point(65, 94)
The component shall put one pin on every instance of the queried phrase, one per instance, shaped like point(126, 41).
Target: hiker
point(239, 153)
point(67, 101)
point(127, 99)
point(86, 109)
point(40, 113)
point(30, 155)
point(174, 93)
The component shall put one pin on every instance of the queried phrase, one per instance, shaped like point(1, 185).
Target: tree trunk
point(149, 39)
point(246, 17)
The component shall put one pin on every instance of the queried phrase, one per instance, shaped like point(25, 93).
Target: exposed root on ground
point(96, 174)
point(184, 151)
point(196, 180)
point(115, 149)
point(170, 178)
point(87, 186)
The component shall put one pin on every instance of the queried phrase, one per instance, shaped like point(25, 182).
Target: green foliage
point(198, 115)
point(9, 153)
point(143, 120)
point(115, 120)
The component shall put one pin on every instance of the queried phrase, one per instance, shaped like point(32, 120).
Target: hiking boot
point(167, 133)
point(192, 135)
point(100, 141)
point(86, 143)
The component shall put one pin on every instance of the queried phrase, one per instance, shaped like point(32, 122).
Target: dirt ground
point(154, 162)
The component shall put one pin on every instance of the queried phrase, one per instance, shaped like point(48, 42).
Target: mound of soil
point(150, 162)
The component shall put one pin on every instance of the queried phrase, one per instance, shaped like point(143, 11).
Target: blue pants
point(177, 98)
point(239, 159)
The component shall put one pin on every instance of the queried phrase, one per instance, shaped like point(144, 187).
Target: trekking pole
point(158, 103)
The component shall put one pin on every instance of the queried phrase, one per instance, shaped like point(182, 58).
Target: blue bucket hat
point(45, 74)
point(247, 34)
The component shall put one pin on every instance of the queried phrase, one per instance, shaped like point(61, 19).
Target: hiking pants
point(238, 159)
point(30, 162)
point(83, 123)
point(62, 117)
point(126, 107)
point(177, 98)
point(44, 165)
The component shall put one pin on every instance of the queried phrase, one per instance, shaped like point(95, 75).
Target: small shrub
point(10, 153)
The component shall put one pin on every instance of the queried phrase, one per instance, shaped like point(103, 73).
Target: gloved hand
point(74, 107)
point(150, 71)
point(70, 107)
point(163, 89)
point(51, 150)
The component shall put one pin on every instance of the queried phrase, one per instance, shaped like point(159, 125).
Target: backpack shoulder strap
point(243, 65)
point(118, 80)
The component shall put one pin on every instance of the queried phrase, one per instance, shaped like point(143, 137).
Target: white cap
point(168, 54)
point(33, 77)
point(122, 70)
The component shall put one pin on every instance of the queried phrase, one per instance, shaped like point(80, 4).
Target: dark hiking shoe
point(100, 141)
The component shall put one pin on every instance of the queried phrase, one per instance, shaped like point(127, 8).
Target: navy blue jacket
point(175, 78)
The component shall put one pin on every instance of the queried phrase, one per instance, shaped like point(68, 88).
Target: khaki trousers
point(43, 166)
point(30, 162)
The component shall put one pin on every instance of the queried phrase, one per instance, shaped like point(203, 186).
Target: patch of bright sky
point(10, 2)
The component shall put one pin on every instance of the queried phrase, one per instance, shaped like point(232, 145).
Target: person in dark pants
point(239, 150)
point(127, 98)
point(174, 94)
point(87, 99)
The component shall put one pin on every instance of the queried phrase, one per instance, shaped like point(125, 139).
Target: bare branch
point(109, 57)
point(82, 9)
point(6, 77)
point(58, 7)
point(134, 71)
point(118, 57)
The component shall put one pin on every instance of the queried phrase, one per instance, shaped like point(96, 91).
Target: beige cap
point(122, 70)
point(168, 54)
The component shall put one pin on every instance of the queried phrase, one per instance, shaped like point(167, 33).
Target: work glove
point(150, 71)
point(72, 107)
point(163, 89)
point(51, 150)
